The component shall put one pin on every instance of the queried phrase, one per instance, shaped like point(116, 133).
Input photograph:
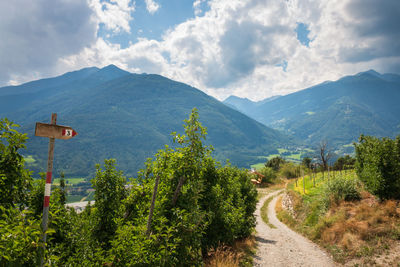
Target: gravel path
point(282, 246)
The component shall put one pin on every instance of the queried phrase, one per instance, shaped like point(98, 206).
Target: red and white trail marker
point(51, 131)
point(69, 133)
point(54, 131)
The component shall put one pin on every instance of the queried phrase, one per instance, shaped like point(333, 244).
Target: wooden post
point(304, 182)
point(313, 173)
point(153, 200)
point(328, 174)
point(47, 191)
point(51, 131)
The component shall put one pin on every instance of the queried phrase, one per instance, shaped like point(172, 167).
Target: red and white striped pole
point(47, 189)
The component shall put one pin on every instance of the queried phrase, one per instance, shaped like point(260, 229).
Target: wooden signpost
point(51, 131)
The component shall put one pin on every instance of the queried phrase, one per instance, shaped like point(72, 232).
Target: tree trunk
point(178, 189)
point(153, 200)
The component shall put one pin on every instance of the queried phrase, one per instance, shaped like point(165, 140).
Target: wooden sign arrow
point(54, 131)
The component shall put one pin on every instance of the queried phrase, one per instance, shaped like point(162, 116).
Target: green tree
point(269, 174)
point(275, 163)
point(378, 165)
point(343, 163)
point(306, 162)
point(63, 193)
point(36, 196)
point(15, 180)
point(199, 205)
point(20, 237)
point(110, 191)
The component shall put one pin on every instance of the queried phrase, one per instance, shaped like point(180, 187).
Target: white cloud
point(34, 34)
point(115, 15)
point(152, 6)
point(238, 47)
point(197, 6)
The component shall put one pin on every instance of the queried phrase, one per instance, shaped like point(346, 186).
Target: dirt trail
point(282, 246)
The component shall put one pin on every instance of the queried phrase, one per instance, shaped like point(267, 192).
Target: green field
point(257, 166)
point(71, 181)
point(89, 197)
point(282, 150)
point(310, 189)
point(74, 198)
point(349, 145)
point(29, 159)
point(295, 156)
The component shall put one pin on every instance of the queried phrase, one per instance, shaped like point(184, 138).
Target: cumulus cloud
point(250, 48)
point(34, 34)
point(115, 15)
point(197, 6)
point(152, 6)
point(377, 24)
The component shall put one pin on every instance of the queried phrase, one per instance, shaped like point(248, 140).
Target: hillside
point(128, 117)
point(339, 111)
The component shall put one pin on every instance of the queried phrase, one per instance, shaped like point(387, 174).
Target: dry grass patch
point(361, 231)
point(240, 254)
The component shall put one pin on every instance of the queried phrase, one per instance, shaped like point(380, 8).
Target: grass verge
point(360, 231)
point(240, 254)
point(264, 212)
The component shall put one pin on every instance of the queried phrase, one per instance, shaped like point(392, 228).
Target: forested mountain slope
point(338, 111)
point(128, 117)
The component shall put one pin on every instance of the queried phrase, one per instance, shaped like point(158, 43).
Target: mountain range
point(337, 112)
point(129, 117)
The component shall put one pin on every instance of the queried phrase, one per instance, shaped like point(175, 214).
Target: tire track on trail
point(282, 246)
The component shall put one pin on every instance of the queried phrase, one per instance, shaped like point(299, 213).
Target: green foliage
point(230, 200)
point(36, 196)
point(110, 191)
point(378, 165)
point(63, 196)
point(275, 163)
point(20, 237)
point(341, 188)
point(269, 174)
point(199, 205)
point(344, 163)
point(289, 170)
point(14, 178)
point(306, 162)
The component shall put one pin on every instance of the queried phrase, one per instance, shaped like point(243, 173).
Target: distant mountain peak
point(233, 97)
point(111, 67)
point(373, 72)
point(111, 72)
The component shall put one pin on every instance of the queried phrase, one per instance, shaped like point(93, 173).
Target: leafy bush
point(275, 163)
point(110, 191)
point(269, 174)
point(20, 238)
point(289, 170)
point(199, 205)
point(14, 178)
point(341, 188)
point(344, 163)
point(378, 165)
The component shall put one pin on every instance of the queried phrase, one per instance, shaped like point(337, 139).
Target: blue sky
point(249, 48)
